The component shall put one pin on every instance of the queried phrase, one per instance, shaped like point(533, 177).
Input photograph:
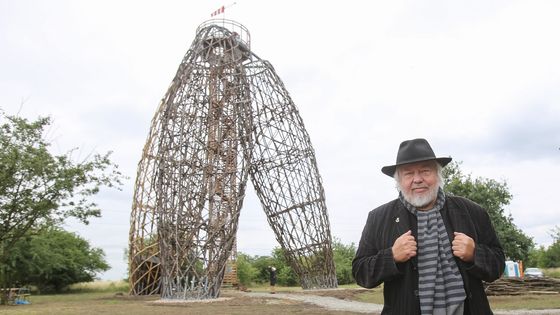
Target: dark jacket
point(374, 262)
point(272, 276)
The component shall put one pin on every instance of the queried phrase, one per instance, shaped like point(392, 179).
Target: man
point(431, 251)
point(272, 271)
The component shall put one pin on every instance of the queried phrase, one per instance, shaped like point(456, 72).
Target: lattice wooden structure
point(226, 117)
point(523, 286)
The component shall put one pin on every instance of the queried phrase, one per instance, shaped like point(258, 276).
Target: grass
point(110, 297)
point(552, 272)
point(90, 303)
point(532, 302)
point(100, 286)
point(509, 302)
point(374, 295)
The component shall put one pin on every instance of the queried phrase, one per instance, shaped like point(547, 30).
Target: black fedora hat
point(412, 151)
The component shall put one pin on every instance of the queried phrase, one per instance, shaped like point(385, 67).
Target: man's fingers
point(463, 246)
point(460, 235)
point(404, 247)
point(407, 236)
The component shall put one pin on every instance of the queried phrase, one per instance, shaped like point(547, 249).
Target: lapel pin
point(397, 220)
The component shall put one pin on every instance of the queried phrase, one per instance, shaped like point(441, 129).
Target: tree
point(284, 272)
point(255, 269)
point(343, 255)
point(52, 259)
point(38, 189)
point(246, 272)
point(535, 257)
point(550, 257)
point(494, 197)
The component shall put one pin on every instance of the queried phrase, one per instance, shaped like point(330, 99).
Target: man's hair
point(439, 168)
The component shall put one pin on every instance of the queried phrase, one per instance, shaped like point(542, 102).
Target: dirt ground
point(230, 302)
point(343, 294)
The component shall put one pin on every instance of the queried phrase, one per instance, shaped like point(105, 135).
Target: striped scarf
point(440, 285)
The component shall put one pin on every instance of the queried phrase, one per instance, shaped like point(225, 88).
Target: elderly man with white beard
point(430, 250)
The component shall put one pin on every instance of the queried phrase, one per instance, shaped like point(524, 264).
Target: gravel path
point(324, 301)
point(528, 312)
point(361, 307)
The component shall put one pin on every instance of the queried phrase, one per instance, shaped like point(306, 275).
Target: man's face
point(419, 183)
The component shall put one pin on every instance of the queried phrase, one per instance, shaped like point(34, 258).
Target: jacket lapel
point(459, 220)
point(402, 221)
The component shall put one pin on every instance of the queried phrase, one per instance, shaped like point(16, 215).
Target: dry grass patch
point(233, 302)
point(532, 302)
point(110, 297)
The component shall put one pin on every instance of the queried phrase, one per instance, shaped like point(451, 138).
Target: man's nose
point(417, 178)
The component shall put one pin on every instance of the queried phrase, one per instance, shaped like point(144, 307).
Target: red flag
point(220, 10)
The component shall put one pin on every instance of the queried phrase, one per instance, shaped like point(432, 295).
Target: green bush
point(255, 269)
point(343, 255)
point(52, 259)
point(246, 273)
point(285, 274)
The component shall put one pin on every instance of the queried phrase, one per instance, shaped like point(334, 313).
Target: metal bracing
point(226, 117)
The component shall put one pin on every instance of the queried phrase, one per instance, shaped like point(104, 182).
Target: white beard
point(421, 201)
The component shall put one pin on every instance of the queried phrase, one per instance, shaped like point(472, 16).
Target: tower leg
point(286, 178)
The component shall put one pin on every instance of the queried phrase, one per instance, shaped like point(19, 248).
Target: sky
point(478, 79)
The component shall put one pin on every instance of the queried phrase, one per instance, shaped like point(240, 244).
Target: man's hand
point(404, 247)
point(463, 247)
